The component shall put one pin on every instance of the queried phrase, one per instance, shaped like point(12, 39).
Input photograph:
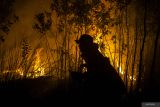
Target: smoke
point(26, 11)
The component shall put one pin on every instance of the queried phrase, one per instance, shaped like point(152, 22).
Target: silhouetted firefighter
point(101, 79)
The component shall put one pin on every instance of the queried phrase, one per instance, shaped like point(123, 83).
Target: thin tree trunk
point(134, 56)
point(65, 45)
point(152, 70)
point(79, 57)
point(127, 57)
point(120, 41)
point(143, 45)
point(76, 51)
point(114, 63)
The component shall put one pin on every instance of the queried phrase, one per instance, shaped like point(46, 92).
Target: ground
point(47, 90)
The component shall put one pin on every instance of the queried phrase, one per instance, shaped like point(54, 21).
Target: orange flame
point(38, 69)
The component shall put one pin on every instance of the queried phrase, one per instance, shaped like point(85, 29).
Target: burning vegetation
point(119, 34)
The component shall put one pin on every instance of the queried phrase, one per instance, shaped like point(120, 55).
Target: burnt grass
point(49, 91)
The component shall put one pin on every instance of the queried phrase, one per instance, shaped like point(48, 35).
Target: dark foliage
point(7, 18)
point(43, 23)
point(82, 13)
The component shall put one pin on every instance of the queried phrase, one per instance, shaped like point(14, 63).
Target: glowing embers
point(83, 67)
point(20, 72)
point(130, 77)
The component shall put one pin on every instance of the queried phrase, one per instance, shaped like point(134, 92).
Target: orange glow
point(38, 69)
point(111, 51)
point(20, 72)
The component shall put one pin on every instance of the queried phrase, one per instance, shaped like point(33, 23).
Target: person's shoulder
point(95, 45)
point(106, 58)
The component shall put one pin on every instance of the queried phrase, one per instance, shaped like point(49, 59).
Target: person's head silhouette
point(85, 39)
point(86, 43)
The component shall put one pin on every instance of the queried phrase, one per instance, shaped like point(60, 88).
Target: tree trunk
point(152, 70)
point(143, 45)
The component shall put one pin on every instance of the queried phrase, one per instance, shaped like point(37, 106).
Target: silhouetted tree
point(7, 17)
point(43, 23)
